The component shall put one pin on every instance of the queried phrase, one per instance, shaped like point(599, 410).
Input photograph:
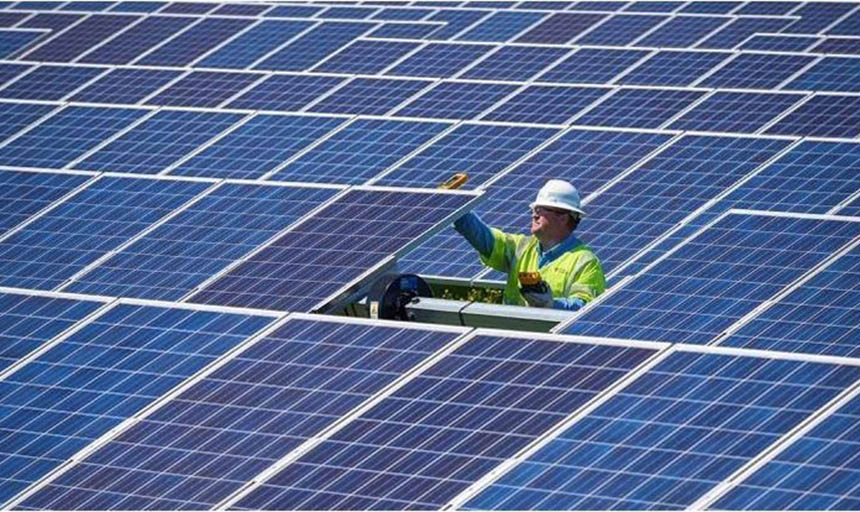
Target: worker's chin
point(536, 229)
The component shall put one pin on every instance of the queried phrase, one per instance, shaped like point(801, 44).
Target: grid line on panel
point(440, 60)
point(740, 29)
point(515, 63)
point(639, 108)
point(756, 71)
point(366, 57)
point(545, 104)
point(502, 26)
point(314, 44)
point(25, 194)
point(821, 116)
point(205, 89)
point(16, 41)
point(368, 96)
point(780, 42)
point(828, 74)
point(744, 112)
point(592, 65)
point(79, 37)
point(255, 44)
point(192, 42)
point(455, 100)
point(138, 40)
point(285, 92)
point(50, 83)
point(21, 117)
point(683, 31)
point(224, 43)
point(124, 86)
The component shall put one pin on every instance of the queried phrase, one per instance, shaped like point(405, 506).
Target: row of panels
point(219, 407)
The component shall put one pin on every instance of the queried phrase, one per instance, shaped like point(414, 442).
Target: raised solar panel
point(455, 22)
point(839, 45)
point(50, 83)
point(816, 472)
point(104, 373)
point(285, 92)
point(501, 26)
point(621, 30)
point(366, 57)
point(360, 151)
point(830, 74)
point(479, 150)
point(757, 71)
point(15, 41)
point(256, 43)
point(593, 66)
point(220, 433)
point(194, 42)
point(179, 255)
point(16, 116)
point(744, 112)
point(449, 426)
point(66, 135)
point(327, 251)
point(23, 194)
point(715, 278)
point(456, 100)
point(673, 68)
point(257, 147)
point(588, 159)
point(311, 47)
point(639, 108)
point(27, 322)
point(204, 89)
point(683, 31)
point(440, 60)
point(560, 28)
point(159, 142)
point(740, 29)
point(80, 38)
point(86, 226)
point(780, 43)
point(515, 63)
point(823, 116)
point(370, 96)
point(137, 40)
point(671, 435)
point(546, 104)
point(125, 86)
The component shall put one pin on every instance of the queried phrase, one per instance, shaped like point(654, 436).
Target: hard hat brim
point(550, 204)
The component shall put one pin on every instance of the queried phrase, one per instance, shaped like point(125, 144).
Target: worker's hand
point(538, 296)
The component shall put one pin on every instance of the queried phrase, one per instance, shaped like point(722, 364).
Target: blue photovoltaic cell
point(740, 29)
point(194, 42)
point(182, 253)
point(313, 46)
point(516, 63)
point(456, 100)
point(683, 31)
point(649, 6)
point(560, 28)
point(360, 151)
point(839, 45)
point(716, 278)
point(779, 43)
point(14, 41)
point(50, 83)
point(673, 68)
point(596, 5)
point(189, 8)
point(370, 96)
point(258, 146)
point(670, 436)
point(479, 150)
point(16, 116)
point(816, 16)
point(710, 7)
point(126, 85)
point(67, 135)
point(23, 194)
point(86, 226)
point(818, 471)
point(455, 22)
point(405, 30)
point(8, 71)
point(621, 30)
point(767, 7)
point(55, 22)
point(545, 5)
point(103, 374)
point(639, 108)
point(159, 142)
point(225, 429)
point(449, 426)
point(830, 74)
point(440, 60)
point(587, 158)
point(347, 13)
point(846, 27)
point(743, 112)
point(241, 10)
point(490, 4)
point(37, 6)
point(80, 38)
point(293, 11)
point(254, 44)
point(394, 14)
point(204, 89)
point(27, 322)
point(757, 71)
point(366, 57)
point(819, 317)
point(137, 40)
point(501, 26)
point(285, 92)
point(337, 244)
point(822, 116)
point(593, 66)
point(10, 19)
point(132, 6)
point(86, 6)
point(545, 104)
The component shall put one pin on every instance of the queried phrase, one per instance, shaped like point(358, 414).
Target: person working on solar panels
point(570, 273)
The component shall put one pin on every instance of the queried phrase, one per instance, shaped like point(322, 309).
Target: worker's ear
point(573, 221)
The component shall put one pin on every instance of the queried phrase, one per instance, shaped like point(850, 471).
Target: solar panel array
point(182, 182)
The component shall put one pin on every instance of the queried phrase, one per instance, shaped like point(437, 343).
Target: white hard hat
point(559, 194)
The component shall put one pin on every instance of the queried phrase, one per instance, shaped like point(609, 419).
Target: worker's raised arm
point(476, 232)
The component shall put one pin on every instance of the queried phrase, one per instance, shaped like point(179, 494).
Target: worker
point(570, 272)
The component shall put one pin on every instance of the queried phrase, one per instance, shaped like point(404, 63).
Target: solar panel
point(15, 41)
point(354, 13)
point(549, 5)
point(455, 22)
point(515, 63)
point(501, 26)
point(546, 104)
point(330, 249)
point(596, 5)
point(396, 14)
point(621, 29)
point(649, 6)
point(847, 26)
point(366, 57)
point(50, 83)
point(222, 227)
point(27, 322)
point(479, 150)
point(780, 43)
point(673, 68)
point(204, 89)
point(440, 60)
point(639, 108)
point(715, 278)
point(258, 146)
point(125, 86)
point(241, 10)
point(189, 8)
point(740, 29)
point(159, 142)
point(406, 30)
point(823, 116)
point(447, 427)
point(816, 16)
point(71, 43)
point(137, 40)
point(683, 31)
point(593, 66)
point(37, 6)
point(102, 374)
point(256, 43)
point(285, 92)
point(456, 100)
point(370, 96)
point(767, 8)
point(22, 194)
point(757, 71)
point(17, 116)
point(839, 45)
point(86, 6)
point(323, 40)
point(221, 432)
point(55, 22)
point(710, 7)
point(830, 74)
point(294, 11)
point(194, 42)
point(360, 151)
point(560, 28)
point(744, 112)
point(816, 472)
point(137, 6)
point(67, 135)
point(671, 435)
point(10, 19)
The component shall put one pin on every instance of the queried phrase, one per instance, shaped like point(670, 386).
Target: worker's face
point(550, 222)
